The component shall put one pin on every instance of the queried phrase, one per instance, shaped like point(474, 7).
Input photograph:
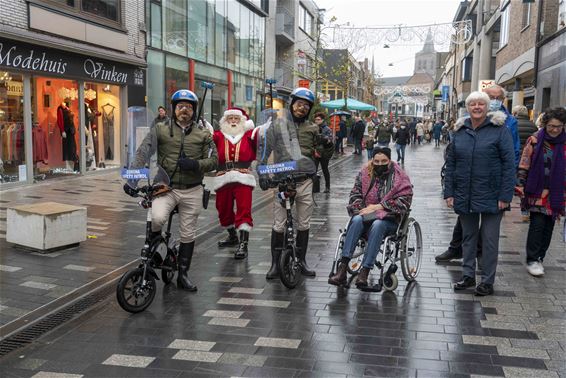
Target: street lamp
point(271, 82)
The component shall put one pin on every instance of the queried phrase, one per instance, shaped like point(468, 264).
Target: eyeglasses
point(558, 127)
point(302, 105)
point(181, 106)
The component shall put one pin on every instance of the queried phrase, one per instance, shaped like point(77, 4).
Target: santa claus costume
point(234, 181)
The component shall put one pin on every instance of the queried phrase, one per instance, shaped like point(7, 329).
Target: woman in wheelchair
point(381, 195)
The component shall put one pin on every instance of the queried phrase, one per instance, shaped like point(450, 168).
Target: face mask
point(403, 127)
point(380, 169)
point(495, 105)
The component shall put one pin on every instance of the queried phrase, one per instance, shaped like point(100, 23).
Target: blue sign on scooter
point(286, 166)
point(135, 174)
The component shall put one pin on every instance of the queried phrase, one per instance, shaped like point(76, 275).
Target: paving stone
point(38, 285)
point(485, 340)
point(79, 267)
point(48, 374)
point(128, 360)
point(243, 359)
point(225, 279)
point(528, 373)
point(245, 290)
point(195, 355)
point(223, 314)
point(522, 352)
point(229, 322)
point(278, 342)
point(8, 268)
point(191, 344)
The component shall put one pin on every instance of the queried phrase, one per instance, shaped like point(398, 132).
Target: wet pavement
point(237, 324)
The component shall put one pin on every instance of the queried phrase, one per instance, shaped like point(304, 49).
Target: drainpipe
point(537, 40)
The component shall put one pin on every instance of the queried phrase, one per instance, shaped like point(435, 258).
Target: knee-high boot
point(302, 245)
point(276, 245)
point(185, 257)
point(242, 251)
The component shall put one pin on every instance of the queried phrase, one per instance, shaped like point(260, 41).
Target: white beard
point(233, 133)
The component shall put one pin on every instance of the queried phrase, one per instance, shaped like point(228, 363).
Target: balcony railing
point(285, 26)
point(283, 75)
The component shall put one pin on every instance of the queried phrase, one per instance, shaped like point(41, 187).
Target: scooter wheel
point(133, 294)
point(289, 269)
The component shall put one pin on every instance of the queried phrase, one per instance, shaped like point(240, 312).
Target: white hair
point(495, 86)
point(477, 96)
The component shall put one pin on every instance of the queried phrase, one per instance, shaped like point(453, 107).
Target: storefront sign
point(15, 88)
point(445, 92)
point(63, 64)
point(304, 83)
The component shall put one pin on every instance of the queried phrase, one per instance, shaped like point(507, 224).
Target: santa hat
point(239, 112)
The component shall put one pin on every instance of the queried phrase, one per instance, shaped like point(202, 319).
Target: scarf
point(535, 178)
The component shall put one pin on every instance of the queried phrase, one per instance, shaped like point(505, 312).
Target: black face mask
point(380, 170)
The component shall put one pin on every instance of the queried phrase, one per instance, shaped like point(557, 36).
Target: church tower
point(425, 60)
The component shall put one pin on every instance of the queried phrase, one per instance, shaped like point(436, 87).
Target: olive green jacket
point(308, 134)
point(198, 145)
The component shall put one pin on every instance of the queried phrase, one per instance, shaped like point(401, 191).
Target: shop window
point(156, 31)
point(102, 126)
point(12, 151)
point(155, 80)
point(197, 29)
point(176, 74)
point(55, 110)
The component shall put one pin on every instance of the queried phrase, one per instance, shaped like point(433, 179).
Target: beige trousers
point(304, 206)
point(190, 204)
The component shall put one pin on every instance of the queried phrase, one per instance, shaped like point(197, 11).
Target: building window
point(107, 10)
point(305, 20)
point(155, 32)
point(504, 32)
point(467, 68)
point(526, 15)
point(561, 14)
point(175, 26)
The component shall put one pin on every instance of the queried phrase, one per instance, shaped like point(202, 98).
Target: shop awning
point(351, 104)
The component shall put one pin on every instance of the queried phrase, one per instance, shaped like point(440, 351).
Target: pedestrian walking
point(161, 116)
point(384, 134)
point(357, 134)
point(185, 151)
point(340, 135)
point(234, 181)
point(402, 138)
point(437, 132)
point(525, 127)
point(541, 185)
point(420, 132)
point(479, 186)
point(324, 149)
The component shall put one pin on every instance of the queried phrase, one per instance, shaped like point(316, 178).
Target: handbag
point(316, 183)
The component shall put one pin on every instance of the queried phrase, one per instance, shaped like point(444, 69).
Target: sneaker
point(465, 283)
point(535, 268)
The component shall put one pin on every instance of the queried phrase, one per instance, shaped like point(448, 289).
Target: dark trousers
point(339, 146)
point(539, 236)
point(358, 145)
point(489, 231)
point(325, 171)
point(456, 242)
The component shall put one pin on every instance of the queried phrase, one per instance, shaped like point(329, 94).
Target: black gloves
point(188, 164)
point(264, 183)
point(130, 191)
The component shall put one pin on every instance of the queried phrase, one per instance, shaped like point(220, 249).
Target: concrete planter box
point(46, 226)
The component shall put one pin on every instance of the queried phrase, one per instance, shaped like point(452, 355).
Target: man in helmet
point(302, 100)
point(185, 150)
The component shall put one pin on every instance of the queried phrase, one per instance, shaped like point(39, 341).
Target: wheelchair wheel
point(132, 293)
point(390, 282)
point(289, 269)
point(411, 251)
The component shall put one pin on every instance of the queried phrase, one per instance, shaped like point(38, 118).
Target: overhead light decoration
point(70, 93)
point(90, 94)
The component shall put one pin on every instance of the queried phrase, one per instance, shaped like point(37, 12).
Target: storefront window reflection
point(12, 151)
point(176, 73)
point(175, 26)
point(197, 29)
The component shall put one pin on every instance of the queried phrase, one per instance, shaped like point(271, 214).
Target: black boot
point(449, 254)
point(242, 251)
point(276, 245)
point(231, 240)
point(185, 257)
point(302, 245)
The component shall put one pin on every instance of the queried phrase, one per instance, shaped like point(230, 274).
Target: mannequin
point(67, 128)
point(91, 140)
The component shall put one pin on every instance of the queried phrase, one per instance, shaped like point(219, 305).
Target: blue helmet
point(304, 94)
point(184, 95)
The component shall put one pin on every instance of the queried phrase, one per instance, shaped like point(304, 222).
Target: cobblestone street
point(238, 324)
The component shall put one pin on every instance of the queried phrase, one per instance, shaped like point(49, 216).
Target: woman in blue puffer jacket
point(479, 185)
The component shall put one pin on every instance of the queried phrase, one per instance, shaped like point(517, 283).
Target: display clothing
point(108, 130)
point(66, 124)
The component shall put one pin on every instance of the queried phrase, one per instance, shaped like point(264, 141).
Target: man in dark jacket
point(358, 134)
point(524, 125)
point(340, 135)
point(402, 138)
point(384, 133)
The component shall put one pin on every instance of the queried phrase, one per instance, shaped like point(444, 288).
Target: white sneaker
point(535, 269)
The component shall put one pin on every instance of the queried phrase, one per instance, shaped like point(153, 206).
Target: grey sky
point(390, 12)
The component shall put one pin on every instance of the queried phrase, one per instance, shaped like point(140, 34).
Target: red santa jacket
point(237, 149)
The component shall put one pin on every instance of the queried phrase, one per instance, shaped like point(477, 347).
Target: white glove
point(94, 133)
point(64, 134)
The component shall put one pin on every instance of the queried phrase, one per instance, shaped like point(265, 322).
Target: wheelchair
point(405, 246)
